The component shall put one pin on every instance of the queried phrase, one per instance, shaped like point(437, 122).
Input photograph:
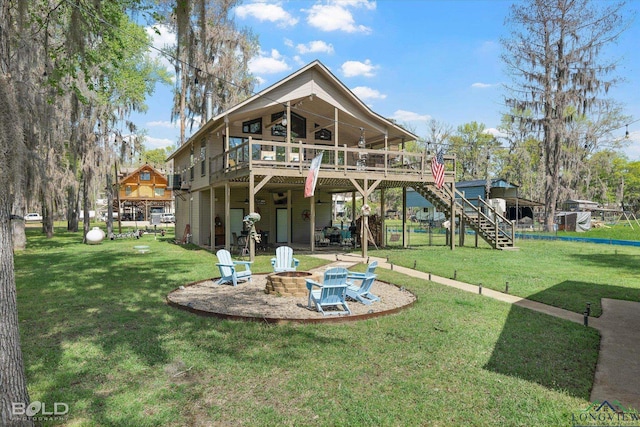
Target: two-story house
point(255, 157)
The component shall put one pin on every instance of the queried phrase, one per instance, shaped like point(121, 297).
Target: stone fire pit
point(290, 283)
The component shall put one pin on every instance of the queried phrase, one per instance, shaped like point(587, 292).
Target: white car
point(167, 217)
point(33, 216)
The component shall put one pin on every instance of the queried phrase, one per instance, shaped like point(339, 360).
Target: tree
point(438, 135)
point(51, 59)
point(211, 56)
point(603, 178)
point(157, 157)
point(555, 57)
point(630, 192)
point(13, 386)
point(520, 161)
point(472, 147)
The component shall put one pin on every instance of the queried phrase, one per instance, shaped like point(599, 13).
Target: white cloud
point(367, 94)
point(162, 124)
point(316, 46)
point(267, 12)
point(495, 132)
point(336, 16)
point(409, 116)
point(268, 64)
point(152, 143)
point(357, 68)
point(482, 85)
point(367, 4)
point(164, 40)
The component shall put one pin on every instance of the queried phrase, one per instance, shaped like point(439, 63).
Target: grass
point(563, 274)
point(622, 231)
point(97, 334)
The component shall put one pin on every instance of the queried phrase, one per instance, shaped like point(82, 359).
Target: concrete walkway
point(618, 369)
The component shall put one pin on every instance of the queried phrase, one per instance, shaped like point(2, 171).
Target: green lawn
point(563, 274)
point(97, 334)
point(622, 231)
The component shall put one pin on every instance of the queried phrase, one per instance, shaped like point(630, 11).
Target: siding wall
point(204, 220)
point(194, 218)
point(472, 193)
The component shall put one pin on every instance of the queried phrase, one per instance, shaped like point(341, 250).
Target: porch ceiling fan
point(246, 199)
point(258, 201)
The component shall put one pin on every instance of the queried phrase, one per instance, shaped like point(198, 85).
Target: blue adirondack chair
point(363, 293)
point(331, 293)
point(354, 275)
point(284, 260)
point(228, 271)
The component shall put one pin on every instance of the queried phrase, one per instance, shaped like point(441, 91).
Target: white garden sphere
point(95, 236)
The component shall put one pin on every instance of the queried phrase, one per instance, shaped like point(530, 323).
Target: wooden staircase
point(493, 227)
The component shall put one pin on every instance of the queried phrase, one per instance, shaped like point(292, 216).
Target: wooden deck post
point(452, 227)
point(287, 149)
point(364, 224)
point(404, 217)
point(212, 216)
point(227, 216)
point(252, 207)
point(383, 217)
point(289, 218)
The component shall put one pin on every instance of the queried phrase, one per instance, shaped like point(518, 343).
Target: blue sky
point(410, 60)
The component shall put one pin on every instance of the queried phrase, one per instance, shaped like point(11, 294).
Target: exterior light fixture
point(361, 142)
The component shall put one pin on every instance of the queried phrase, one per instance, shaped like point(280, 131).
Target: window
point(127, 190)
point(298, 126)
point(252, 126)
point(234, 141)
point(159, 191)
point(323, 135)
point(145, 176)
point(243, 155)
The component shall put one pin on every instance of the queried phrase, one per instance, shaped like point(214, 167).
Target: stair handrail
point(498, 214)
point(503, 224)
point(499, 225)
point(464, 202)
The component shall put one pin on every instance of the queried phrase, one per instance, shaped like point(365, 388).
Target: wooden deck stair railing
point(483, 218)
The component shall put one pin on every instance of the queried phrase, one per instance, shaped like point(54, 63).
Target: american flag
point(312, 177)
point(437, 168)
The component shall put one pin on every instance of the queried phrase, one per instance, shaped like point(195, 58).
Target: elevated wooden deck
point(282, 164)
point(260, 164)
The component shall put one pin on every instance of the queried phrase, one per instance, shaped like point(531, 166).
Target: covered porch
point(243, 181)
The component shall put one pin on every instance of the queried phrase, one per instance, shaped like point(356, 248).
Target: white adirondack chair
point(284, 260)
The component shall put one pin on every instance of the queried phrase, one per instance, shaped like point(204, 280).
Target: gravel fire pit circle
point(290, 283)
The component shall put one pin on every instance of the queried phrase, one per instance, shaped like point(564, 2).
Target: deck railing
point(256, 153)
